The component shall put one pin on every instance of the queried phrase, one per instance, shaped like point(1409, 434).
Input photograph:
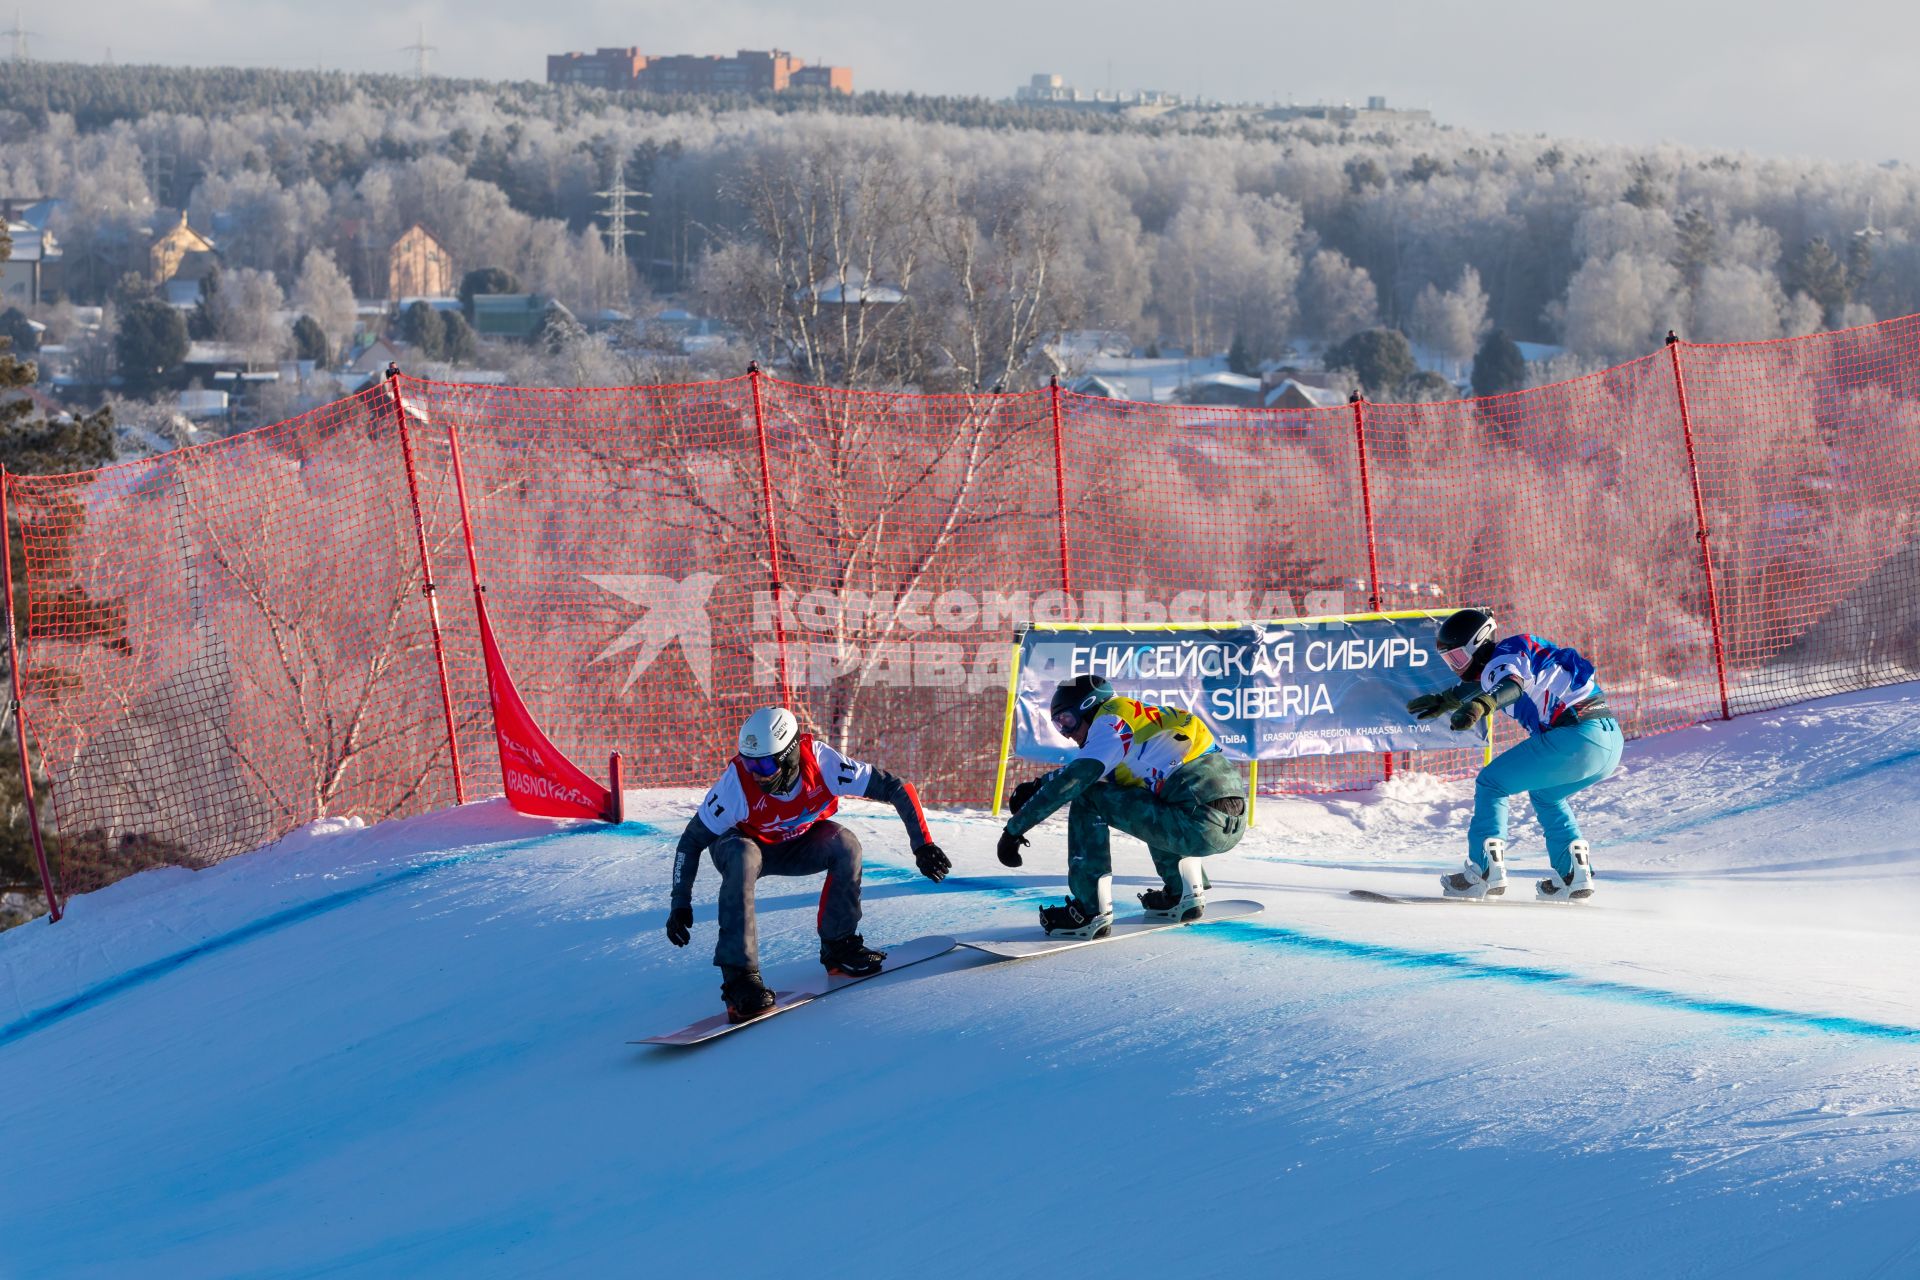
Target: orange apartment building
point(748, 71)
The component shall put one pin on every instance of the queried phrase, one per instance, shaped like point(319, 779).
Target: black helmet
point(1462, 638)
point(1076, 701)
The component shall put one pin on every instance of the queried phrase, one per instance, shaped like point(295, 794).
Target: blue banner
point(1272, 692)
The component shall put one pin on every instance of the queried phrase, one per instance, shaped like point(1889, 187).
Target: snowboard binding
point(1184, 901)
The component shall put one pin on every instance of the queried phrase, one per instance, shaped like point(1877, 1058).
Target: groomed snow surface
point(401, 1051)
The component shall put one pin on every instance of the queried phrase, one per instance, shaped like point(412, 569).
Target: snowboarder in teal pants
point(1572, 742)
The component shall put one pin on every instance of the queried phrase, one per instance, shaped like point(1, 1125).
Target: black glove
point(932, 861)
point(680, 926)
point(1429, 705)
point(1471, 712)
point(1009, 849)
point(1025, 792)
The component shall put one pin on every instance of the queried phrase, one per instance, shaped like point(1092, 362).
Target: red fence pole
point(1359, 403)
point(1060, 486)
point(773, 540)
point(1700, 524)
point(19, 705)
point(466, 515)
point(427, 587)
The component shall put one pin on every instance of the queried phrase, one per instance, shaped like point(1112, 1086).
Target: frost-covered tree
point(249, 314)
point(323, 294)
point(1618, 306)
point(1337, 299)
point(1452, 323)
point(1736, 303)
point(1228, 267)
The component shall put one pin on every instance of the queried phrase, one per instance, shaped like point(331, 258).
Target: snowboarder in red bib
point(770, 814)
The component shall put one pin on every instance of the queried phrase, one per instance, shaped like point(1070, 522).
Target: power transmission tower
point(616, 213)
point(20, 34)
point(158, 163)
point(420, 49)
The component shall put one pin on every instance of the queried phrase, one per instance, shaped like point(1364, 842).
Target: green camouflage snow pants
point(1177, 823)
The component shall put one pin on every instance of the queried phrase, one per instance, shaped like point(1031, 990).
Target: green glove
point(1429, 705)
point(1471, 712)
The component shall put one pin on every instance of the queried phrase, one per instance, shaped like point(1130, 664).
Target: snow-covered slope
point(401, 1051)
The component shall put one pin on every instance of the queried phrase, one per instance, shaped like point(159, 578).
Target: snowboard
point(1428, 900)
point(898, 957)
point(1132, 927)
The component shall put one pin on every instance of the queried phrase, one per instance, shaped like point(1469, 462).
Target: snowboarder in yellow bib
point(1153, 772)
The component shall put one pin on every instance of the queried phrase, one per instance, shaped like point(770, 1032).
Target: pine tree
point(309, 340)
point(425, 330)
point(1818, 272)
point(1695, 251)
point(150, 344)
point(1380, 358)
point(1644, 193)
point(1498, 366)
point(1239, 358)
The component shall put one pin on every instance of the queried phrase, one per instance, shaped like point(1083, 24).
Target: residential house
point(1157, 379)
point(1292, 393)
point(850, 288)
point(517, 316)
point(1088, 385)
point(418, 265)
point(178, 259)
point(205, 362)
point(372, 358)
point(676, 329)
point(1224, 388)
point(32, 268)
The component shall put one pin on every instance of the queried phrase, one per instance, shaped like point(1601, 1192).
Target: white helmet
point(768, 732)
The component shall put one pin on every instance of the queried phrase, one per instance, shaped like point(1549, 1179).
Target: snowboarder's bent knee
point(1572, 742)
point(770, 814)
point(1156, 773)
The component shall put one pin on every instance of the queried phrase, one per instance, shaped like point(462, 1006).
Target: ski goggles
point(1459, 659)
point(764, 766)
point(1066, 722)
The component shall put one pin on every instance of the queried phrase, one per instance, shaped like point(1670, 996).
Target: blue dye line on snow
point(100, 993)
point(1456, 965)
point(1445, 963)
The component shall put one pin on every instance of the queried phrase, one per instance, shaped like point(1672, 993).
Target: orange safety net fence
point(223, 643)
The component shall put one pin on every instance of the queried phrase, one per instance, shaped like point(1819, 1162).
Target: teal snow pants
point(1549, 767)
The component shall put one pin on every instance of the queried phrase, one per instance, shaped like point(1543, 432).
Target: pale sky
point(1827, 80)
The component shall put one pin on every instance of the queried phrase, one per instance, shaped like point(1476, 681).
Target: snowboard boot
point(850, 957)
point(1577, 886)
point(1184, 901)
point(747, 997)
point(1471, 882)
point(1071, 920)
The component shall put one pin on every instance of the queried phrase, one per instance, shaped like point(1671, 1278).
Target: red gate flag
point(539, 779)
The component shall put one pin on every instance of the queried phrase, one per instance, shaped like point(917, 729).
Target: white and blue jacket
point(1553, 680)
